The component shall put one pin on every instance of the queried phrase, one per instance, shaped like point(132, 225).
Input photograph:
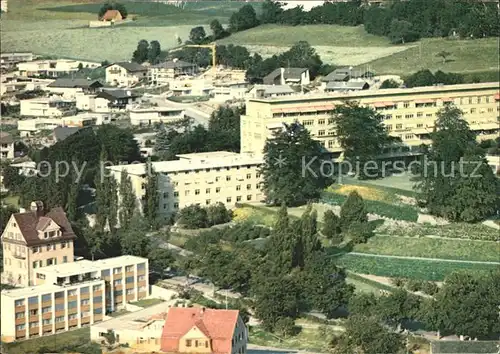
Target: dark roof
point(171, 64)
point(116, 94)
point(351, 85)
point(6, 138)
point(288, 73)
point(61, 133)
point(28, 222)
point(342, 74)
point(130, 66)
point(73, 83)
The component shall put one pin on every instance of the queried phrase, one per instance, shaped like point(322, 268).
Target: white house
point(115, 100)
point(53, 106)
point(71, 87)
point(151, 115)
point(8, 60)
point(31, 127)
point(230, 91)
point(6, 146)
point(125, 74)
point(290, 76)
point(53, 68)
point(266, 91)
point(163, 73)
point(191, 87)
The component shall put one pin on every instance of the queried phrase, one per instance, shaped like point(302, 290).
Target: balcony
point(19, 255)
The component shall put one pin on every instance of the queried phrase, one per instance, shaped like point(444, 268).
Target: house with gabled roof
point(33, 239)
point(125, 74)
point(288, 76)
point(195, 330)
point(69, 87)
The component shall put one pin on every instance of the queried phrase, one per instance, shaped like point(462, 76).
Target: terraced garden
point(407, 268)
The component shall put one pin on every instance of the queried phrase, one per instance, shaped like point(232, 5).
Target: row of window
point(48, 262)
point(217, 190)
point(51, 247)
point(217, 169)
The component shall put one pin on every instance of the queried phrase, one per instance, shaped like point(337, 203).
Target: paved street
point(199, 116)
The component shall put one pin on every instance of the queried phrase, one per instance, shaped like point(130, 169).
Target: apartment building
point(200, 178)
point(409, 113)
point(6, 146)
point(53, 106)
point(35, 239)
point(8, 60)
point(151, 115)
point(162, 73)
point(126, 277)
point(53, 68)
point(191, 87)
point(72, 295)
point(125, 74)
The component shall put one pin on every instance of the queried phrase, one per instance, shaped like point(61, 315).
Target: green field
point(431, 248)
point(407, 268)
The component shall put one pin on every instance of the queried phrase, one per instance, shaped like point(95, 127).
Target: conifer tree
point(353, 211)
point(150, 207)
point(331, 227)
point(128, 200)
point(309, 242)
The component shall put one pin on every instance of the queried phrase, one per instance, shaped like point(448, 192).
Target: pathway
point(422, 258)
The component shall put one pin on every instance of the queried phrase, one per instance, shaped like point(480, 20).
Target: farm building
point(112, 15)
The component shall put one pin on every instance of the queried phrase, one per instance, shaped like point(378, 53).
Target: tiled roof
point(61, 133)
point(111, 15)
point(130, 66)
point(74, 83)
point(288, 73)
point(6, 138)
point(29, 221)
point(218, 325)
point(116, 94)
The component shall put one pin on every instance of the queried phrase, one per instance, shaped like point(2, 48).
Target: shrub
point(414, 285)
point(193, 217)
point(218, 214)
point(430, 288)
point(360, 232)
point(399, 282)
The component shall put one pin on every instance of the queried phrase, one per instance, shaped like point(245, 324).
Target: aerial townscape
point(258, 176)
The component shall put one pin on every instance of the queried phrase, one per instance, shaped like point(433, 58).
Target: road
point(199, 116)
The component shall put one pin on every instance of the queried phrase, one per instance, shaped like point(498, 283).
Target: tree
point(309, 241)
point(360, 232)
point(217, 29)
point(271, 11)
point(71, 203)
point(160, 259)
point(224, 129)
point(80, 66)
point(364, 304)
point(218, 214)
point(133, 240)
point(402, 32)
point(197, 35)
point(363, 136)
point(389, 83)
point(122, 10)
point(455, 180)
point(192, 217)
point(128, 204)
point(443, 54)
point(243, 19)
point(11, 178)
point(150, 206)
point(353, 211)
point(154, 52)
point(104, 8)
point(467, 304)
point(331, 227)
point(398, 306)
point(140, 55)
point(367, 335)
point(292, 173)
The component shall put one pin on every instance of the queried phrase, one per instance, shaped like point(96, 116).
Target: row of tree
point(145, 51)
point(197, 217)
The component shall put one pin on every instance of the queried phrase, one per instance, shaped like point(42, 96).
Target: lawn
point(407, 268)
point(11, 200)
point(466, 56)
point(431, 248)
point(147, 302)
point(52, 343)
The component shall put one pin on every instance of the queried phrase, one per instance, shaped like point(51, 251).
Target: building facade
point(151, 115)
point(47, 107)
point(409, 113)
point(72, 295)
point(203, 179)
point(35, 239)
point(125, 74)
point(53, 68)
point(163, 73)
point(6, 146)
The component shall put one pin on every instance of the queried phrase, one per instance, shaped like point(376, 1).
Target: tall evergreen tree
point(150, 207)
point(353, 211)
point(310, 243)
point(128, 203)
point(331, 227)
point(72, 202)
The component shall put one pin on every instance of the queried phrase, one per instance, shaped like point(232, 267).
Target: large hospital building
point(409, 113)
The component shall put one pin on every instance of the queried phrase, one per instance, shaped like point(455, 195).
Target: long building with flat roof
point(200, 178)
point(409, 113)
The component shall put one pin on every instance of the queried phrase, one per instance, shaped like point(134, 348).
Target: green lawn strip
point(398, 212)
point(54, 343)
point(472, 347)
point(407, 268)
point(367, 284)
point(308, 339)
point(431, 248)
point(147, 302)
point(390, 190)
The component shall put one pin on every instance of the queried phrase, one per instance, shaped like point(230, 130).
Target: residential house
point(13, 85)
point(125, 74)
point(199, 178)
point(6, 146)
point(191, 87)
point(32, 127)
point(345, 74)
point(291, 76)
point(264, 91)
point(112, 16)
point(53, 68)
point(34, 239)
point(70, 87)
point(163, 73)
point(195, 330)
point(236, 90)
point(53, 106)
point(346, 86)
point(115, 100)
point(9, 60)
point(152, 115)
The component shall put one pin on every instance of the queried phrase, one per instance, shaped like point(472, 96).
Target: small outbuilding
point(112, 15)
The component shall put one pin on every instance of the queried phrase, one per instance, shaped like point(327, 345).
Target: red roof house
point(195, 330)
point(112, 15)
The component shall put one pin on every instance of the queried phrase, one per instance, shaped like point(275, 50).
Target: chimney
point(37, 208)
point(202, 311)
